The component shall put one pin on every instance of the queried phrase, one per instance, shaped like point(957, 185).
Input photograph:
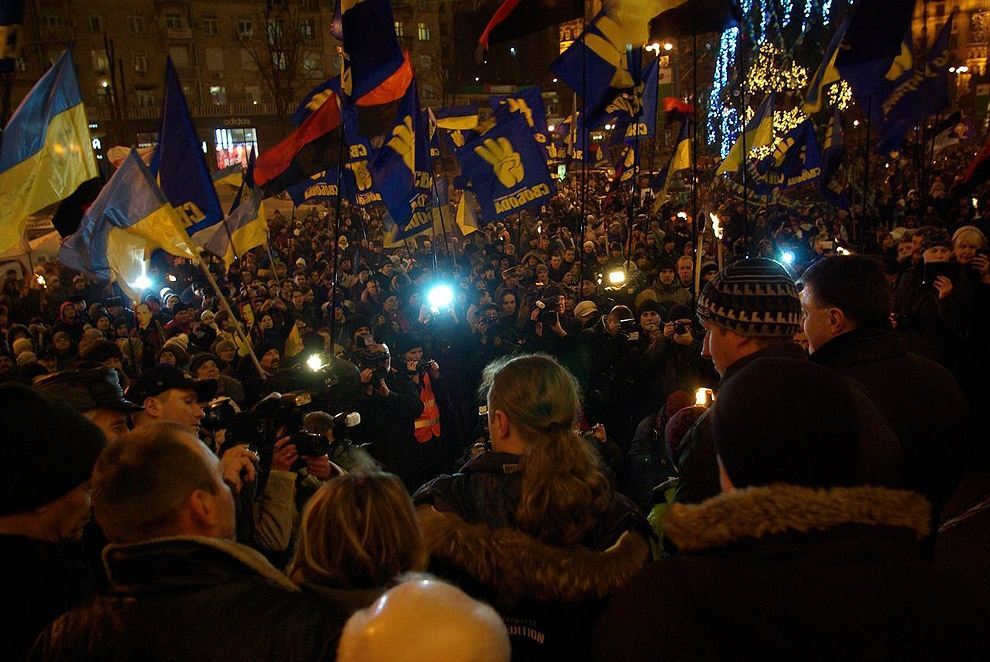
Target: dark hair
point(855, 284)
point(142, 479)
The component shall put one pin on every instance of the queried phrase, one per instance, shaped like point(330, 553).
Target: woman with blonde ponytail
point(533, 525)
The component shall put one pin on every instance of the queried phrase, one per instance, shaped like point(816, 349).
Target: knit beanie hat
point(46, 449)
point(786, 420)
point(754, 297)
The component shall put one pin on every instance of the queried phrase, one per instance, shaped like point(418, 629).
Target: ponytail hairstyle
point(564, 492)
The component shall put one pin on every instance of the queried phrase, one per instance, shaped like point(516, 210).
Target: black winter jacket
point(191, 598)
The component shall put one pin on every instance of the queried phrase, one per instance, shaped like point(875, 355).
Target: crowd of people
point(596, 431)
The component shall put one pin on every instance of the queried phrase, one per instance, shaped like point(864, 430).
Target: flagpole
point(866, 164)
point(226, 306)
point(694, 136)
point(632, 189)
point(584, 157)
point(745, 152)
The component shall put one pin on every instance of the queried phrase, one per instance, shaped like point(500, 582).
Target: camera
point(680, 328)
point(218, 414)
point(375, 360)
point(548, 309)
point(310, 444)
point(629, 325)
point(935, 269)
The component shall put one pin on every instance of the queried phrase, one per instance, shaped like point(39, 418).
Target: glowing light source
point(142, 282)
point(440, 297)
point(787, 257)
point(314, 362)
point(617, 277)
point(668, 46)
point(717, 229)
point(551, 127)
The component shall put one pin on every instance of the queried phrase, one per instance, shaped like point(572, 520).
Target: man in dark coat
point(796, 559)
point(751, 310)
point(47, 451)
point(846, 304)
point(180, 588)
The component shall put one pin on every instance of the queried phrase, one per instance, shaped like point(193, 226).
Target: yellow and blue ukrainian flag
point(46, 152)
point(129, 219)
point(246, 226)
point(680, 160)
point(758, 133)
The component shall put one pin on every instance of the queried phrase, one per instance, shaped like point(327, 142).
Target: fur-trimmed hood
point(517, 566)
point(758, 512)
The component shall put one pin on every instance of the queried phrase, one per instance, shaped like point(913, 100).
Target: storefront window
point(234, 145)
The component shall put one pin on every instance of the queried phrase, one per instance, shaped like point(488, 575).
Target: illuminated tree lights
point(769, 73)
point(771, 70)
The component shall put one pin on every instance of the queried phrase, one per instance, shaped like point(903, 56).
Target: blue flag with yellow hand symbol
point(507, 169)
point(402, 169)
point(527, 102)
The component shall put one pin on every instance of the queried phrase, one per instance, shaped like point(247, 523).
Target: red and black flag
point(517, 18)
point(977, 172)
point(311, 148)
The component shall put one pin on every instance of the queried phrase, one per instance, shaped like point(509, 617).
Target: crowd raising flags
point(363, 135)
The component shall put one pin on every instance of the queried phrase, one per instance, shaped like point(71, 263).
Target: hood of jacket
point(757, 513)
point(518, 567)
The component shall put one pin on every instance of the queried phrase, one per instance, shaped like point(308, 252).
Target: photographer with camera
point(425, 376)
point(602, 358)
point(389, 406)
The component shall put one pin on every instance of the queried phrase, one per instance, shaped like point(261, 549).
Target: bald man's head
point(460, 628)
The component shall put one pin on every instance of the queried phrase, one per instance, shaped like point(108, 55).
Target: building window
point(399, 32)
point(218, 95)
point(276, 32)
point(940, 10)
point(135, 24)
point(173, 21)
point(423, 32)
point(311, 62)
point(279, 60)
point(306, 31)
point(310, 5)
point(245, 28)
point(210, 26)
point(140, 63)
point(144, 99)
point(233, 146)
point(20, 65)
point(100, 62)
point(95, 24)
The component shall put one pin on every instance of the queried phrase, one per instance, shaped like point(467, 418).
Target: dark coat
point(387, 424)
point(193, 599)
point(963, 566)
point(919, 398)
point(879, 457)
point(782, 572)
point(547, 595)
point(40, 581)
